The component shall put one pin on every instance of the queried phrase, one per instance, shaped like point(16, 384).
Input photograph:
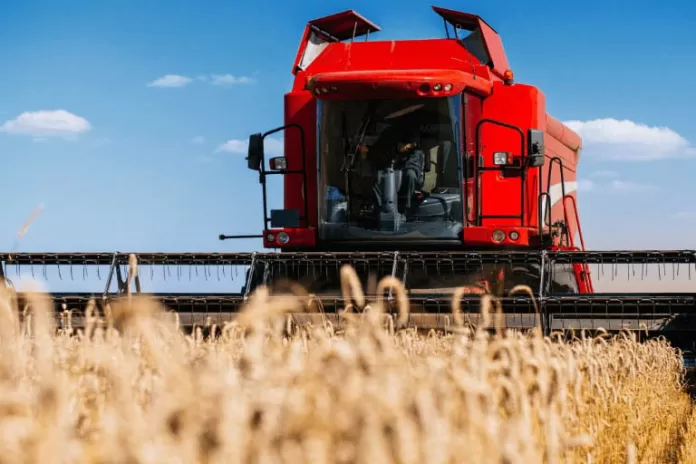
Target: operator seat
point(443, 164)
point(430, 145)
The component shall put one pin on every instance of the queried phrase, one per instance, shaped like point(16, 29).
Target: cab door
point(499, 174)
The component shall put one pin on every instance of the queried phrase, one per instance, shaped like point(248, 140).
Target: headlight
point(498, 236)
point(283, 238)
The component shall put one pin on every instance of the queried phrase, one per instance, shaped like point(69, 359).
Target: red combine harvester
point(422, 160)
point(442, 152)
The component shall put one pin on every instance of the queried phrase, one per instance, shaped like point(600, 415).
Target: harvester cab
point(420, 145)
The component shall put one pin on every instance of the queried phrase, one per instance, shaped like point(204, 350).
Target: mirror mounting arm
point(256, 162)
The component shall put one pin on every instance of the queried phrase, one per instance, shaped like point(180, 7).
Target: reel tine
point(427, 277)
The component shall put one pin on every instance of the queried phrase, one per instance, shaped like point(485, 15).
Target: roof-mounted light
point(323, 90)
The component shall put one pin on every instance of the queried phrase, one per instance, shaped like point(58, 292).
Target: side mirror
point(255, 154)
point(535, 148)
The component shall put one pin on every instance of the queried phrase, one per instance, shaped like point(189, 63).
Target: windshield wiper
point(353, 144)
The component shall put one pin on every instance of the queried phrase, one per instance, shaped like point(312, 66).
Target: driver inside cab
point(404, 154)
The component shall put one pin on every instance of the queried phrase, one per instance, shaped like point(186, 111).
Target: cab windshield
point(390, 169)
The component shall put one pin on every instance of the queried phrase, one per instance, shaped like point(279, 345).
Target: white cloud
point(170, 81)
point(627, 140)
point(176, 80)
point(228, 79)
point(587, 185)
point(47, 123)
point(273, 147)
point(627, 186)
point(616, 185)
point(605, 174)
point(197, 140)
point(238, 147)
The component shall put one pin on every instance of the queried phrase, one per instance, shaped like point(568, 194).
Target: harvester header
point(425, 161)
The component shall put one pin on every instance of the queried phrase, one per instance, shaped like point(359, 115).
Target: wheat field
point(133, 388)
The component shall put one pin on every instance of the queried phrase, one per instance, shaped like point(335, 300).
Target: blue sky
point(136, 166)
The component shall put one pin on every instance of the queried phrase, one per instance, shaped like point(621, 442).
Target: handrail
point(558, 161)
point(577, 219)
point(586, 269)
point(584, 274)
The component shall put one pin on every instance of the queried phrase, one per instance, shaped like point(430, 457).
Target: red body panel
point(301, 109)
point(394, 55)
point(501, 194)
point(326, 68)
point(348, 85)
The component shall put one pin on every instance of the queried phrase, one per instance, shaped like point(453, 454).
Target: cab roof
point(321, 34)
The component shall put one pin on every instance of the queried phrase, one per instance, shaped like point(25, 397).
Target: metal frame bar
point(458, 257)
point(302, 171)
point(263, 173)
